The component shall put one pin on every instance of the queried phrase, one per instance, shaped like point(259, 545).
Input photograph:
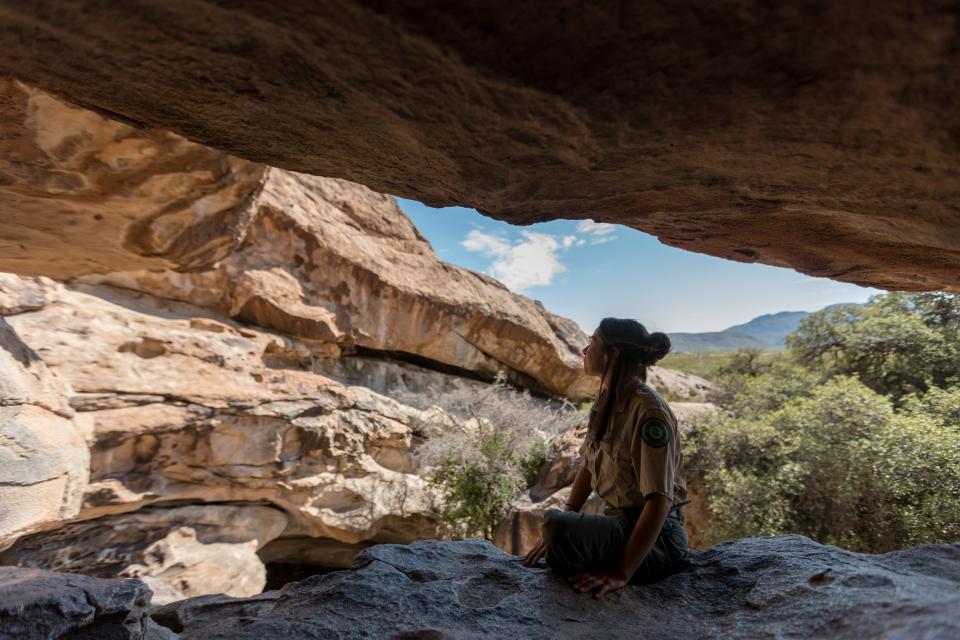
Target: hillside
point(763, 332)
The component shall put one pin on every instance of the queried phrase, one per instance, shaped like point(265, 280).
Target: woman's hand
point(533, 556)
point(603, 582)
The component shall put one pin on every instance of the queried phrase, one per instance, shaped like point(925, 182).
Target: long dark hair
point(636, 350)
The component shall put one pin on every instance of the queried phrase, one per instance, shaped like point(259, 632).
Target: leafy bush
point(839, 465)
point(898, 344)
point(486, 444)
point(851, 436)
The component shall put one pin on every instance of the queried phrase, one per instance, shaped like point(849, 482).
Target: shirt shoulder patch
point(655, 432)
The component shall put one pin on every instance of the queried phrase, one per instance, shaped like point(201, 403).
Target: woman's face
point(594, 356)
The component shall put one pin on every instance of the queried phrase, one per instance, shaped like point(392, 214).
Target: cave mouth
point(280, 574)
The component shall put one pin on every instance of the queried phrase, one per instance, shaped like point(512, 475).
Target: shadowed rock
point(782, 587)
point(823, 136)
point(40, 604)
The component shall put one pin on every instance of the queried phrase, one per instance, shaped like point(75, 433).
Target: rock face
point(318, 259)
point(179, 552)
point(783, 587)
point(41, 605)
point(822, 139)
point(44, 460)
point(85, 194)
point(186, 408)
point(334, 263)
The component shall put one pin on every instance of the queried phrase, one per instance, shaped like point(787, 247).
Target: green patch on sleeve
point(655, 432)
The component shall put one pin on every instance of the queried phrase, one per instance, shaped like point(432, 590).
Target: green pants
point(576, 543)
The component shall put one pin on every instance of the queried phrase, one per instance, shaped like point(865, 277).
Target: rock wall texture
point(822, 137)
point(318, 259)
point(44, 460)
point(186, 408)
point(41, 605)
point(779, 587)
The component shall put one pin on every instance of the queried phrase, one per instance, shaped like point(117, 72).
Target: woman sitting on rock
point(631, 457)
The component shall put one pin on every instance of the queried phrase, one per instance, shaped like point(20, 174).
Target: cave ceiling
point(822, 136)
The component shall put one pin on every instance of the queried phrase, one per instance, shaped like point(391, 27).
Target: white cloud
point(596, 228)
point(530, 262)
point(599, 232)
point(603, 239)
point(482, 242)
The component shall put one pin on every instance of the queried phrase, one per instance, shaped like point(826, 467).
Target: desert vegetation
point(850, 436)
point(486, 444)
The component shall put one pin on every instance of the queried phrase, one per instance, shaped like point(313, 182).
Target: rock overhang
point(822, 139)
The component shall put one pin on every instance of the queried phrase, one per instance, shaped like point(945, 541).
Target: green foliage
point(839, 465)
point(707, 364)
point(898, 344)
point(851, 437)
point(477, 492)
point(486, 444)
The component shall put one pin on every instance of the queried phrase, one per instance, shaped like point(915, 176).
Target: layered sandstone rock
point(44, 460)
point(823, 138)
point(179, 552)
point(782, 587)
point(334, 263)
point(189, 408)
point(318, 259)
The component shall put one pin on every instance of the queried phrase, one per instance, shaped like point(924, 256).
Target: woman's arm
point(582, 487)
point(645, 533)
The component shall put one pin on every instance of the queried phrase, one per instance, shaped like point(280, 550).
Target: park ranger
point(632, 459)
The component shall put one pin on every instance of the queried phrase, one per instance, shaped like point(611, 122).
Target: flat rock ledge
point(43, 604)
point(776, 587)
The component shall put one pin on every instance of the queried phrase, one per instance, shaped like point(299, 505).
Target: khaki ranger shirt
point(640, 453)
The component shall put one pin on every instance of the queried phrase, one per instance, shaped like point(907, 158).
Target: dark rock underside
point(823, 136)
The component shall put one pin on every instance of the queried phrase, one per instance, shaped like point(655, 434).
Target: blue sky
point(587, 271)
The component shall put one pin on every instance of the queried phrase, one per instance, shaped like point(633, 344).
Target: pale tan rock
point(188, 407)
point(821, 139)
point(318, 259)
point(44, 460)
point(85, 194)
point(337, 264)
point(179, 552)
point(679, 386)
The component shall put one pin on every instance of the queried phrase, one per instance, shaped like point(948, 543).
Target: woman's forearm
point(581, 488)
point(645, 533)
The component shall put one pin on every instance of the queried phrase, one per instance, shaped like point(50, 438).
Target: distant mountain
point(763, 332)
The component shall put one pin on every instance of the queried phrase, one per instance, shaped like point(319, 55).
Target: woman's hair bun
point(660, 345)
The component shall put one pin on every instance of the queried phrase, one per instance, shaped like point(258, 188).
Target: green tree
point(898, 344)
point(838, 464)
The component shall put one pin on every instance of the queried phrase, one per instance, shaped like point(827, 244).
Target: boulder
point(44, 460)
point(44, 605)
point(783, 586)
point(822, 139)
point(179, 552)
point(318, 259)
point(189, 407)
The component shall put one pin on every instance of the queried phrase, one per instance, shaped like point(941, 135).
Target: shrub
point(835, 463)
point(486, 445)
point(898, 344)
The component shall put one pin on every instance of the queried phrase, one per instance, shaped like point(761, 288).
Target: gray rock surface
point(776, 587)
point(37, 604)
